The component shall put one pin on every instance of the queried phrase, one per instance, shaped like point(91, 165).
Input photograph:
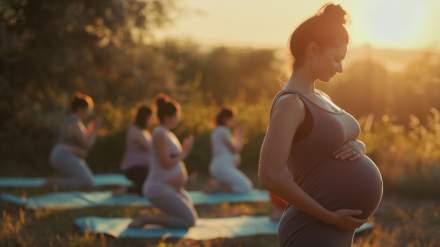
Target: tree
point(48, 49)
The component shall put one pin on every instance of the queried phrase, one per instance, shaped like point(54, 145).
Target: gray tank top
point(333, 183)
point(69, 137)
point(329, 131)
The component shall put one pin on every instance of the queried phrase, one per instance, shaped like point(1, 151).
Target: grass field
point(399, 221)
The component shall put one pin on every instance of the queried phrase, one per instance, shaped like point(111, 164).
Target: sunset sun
point(393, 23)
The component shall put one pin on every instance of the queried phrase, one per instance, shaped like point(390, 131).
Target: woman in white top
point(167, 177)
point(226, 150)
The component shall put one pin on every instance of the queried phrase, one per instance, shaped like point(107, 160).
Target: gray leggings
point(74, 170)
point(177, 205)
point(224, 170)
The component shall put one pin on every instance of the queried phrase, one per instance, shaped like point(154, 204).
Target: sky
point(400, 24)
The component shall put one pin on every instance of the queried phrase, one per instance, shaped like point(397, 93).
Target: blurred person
point(226, 148)
point(165, 184)
point(138, 150)
point(75, 140)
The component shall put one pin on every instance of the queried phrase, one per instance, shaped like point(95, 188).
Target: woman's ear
point(312, 50)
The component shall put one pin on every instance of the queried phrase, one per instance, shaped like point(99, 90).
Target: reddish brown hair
point(326, 28)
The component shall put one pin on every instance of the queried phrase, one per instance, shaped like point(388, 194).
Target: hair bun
point(162, 99)
point(333, 13)
point(79, 94)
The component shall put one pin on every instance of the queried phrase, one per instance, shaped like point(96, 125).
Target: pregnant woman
point(137, 156)
point(165, 184)
point(68, 156)
point(226, 149)
point(311, 155)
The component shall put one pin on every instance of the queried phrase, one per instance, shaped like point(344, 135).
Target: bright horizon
point(384, 24)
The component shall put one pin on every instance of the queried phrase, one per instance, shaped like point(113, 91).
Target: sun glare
point(394, 23)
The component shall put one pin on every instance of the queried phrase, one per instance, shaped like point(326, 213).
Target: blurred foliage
point(408, 156)
point(49, 49)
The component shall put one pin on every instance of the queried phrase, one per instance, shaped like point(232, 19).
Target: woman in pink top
point(137, 155)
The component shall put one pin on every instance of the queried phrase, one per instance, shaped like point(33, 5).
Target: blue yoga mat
point(100, 180)
point(69, 200)
point(205, 228)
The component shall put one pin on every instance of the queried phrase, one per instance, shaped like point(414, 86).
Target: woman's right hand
point(346, 219)
point(94, 125)
point(239, 133)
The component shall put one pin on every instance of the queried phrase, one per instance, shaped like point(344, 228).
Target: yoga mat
point(100, 180)
point(69, 200)
point(204, 229)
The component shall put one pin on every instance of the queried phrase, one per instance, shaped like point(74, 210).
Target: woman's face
point(228, 122)
point(173, 121)
point(328, 61)
point(148, 122)
point(83, 113)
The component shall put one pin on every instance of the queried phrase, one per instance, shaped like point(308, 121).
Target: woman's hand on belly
point(351, 150)
point(346, 219)
point(178, 181)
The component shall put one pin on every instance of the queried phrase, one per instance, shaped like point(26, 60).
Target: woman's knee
point(190, 220)
point(89, 183)
point(189, 216)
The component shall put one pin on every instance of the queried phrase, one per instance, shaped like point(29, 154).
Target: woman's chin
point(326, 79)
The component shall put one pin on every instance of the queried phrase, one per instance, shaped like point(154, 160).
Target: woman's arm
point(168, 162)
point(235, 145)
point(160, 144)
point(165, 158)
point(140, 138)
point(275, 150)
point(273, 172)
point(85, 136)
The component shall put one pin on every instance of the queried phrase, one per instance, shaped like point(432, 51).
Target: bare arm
point(273, 172)
point(86, 136)
point(275, 150)
point(161, 146)
point(235, 145)
point(141, 139)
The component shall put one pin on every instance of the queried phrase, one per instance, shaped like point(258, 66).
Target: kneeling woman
point(164, 186)
point(137, 157)
point(226, 150)
point(75, 140)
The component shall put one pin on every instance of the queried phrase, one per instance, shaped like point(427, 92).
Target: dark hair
point(223, 115)
point(166, 107)
point(143, 113)
point(326, 28)
point(81, 101)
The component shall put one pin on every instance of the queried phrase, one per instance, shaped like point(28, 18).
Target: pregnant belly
point(338, 184)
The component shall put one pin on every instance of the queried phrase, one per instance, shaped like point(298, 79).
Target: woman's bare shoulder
point(289, 103)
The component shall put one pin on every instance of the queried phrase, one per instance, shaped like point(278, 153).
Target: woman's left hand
point(351, 150)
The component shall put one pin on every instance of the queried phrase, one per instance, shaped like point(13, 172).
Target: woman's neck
point(78, 116)
point(301, 81)
point(165, 126)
